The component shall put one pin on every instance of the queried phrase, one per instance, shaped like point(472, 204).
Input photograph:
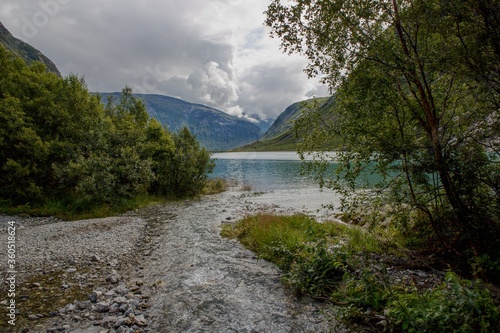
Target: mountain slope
point(281, 135)
point(27, 52)
point(216, 130)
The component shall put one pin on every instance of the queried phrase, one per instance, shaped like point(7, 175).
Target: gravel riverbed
point(158, 269)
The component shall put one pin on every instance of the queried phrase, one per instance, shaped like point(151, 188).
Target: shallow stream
point(205, 283)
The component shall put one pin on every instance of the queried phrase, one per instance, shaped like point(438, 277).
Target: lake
point(263, 171)
point(274, 179)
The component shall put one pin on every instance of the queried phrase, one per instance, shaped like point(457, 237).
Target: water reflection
point(263, 171)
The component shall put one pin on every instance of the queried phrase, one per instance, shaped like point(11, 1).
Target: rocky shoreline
point(118, 274)
point(73, 275)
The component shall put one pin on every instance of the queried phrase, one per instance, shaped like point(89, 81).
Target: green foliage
point(313, 256)
point(362, 290)
point(317, 269)
point(215, 185)
point(329, 261)
point(416, 102)
point(457, 306)
point(190, 164)
point(61, 147)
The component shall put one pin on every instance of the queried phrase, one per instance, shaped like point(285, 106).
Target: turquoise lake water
point(263, 171)
point(275, 181)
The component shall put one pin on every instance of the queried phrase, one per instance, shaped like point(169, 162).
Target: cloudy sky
point(214, 52)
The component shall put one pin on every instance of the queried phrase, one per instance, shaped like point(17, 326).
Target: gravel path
point(159, 269)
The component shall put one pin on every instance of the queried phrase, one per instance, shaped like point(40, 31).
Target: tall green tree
point(190, 164)
point(60, 144)
point(416, 86)
point(47, 122)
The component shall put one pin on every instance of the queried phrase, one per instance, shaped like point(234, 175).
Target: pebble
point(102, 307)
point(51, 246)
point(113, 278)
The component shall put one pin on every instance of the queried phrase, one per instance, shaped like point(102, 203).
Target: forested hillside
point(290, 130)
point(60, 147)
point(24, 50)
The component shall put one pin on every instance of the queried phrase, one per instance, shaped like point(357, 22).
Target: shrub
point(457, 306)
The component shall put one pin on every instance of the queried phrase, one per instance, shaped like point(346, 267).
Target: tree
point(190, 164)
point(161, 148)
point(414, 96)
point(59, 145)
point(47, 122)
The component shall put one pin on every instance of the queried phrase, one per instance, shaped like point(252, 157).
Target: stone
point(124, 329)
point(83, 305)
point(138, 282)
point(135, 288)
point(422, 274)
point(95, 258)
point(70, 307)
point(122, 289)
point(124, 321)
point(71, 270)
point(113, 278)
point(123, 307)
point(108, 321)
point(138, 320)
point(120, 300)
point(102, 307)
point(114, 308)
point(94, 296)
point(129, 312)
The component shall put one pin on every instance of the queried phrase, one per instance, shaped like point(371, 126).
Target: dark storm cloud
point(212, 52)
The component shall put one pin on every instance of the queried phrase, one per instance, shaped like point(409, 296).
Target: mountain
point(214, 129)
point(27, 52)
point(264, 124)
point(281, 135)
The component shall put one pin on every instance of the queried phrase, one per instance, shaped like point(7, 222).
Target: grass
point(344, 265)
point(214, 186)
point(260, 232)
point(43, 300)
point(69, 212)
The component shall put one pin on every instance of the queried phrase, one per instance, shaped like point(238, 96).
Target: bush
point(330, 261)
point(457, 306)
point(317, 270)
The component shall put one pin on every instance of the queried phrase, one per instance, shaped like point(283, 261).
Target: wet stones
point(111, 310)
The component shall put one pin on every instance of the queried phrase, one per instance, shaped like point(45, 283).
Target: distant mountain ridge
point(214, 129)
point(27, 52)
point(281, 135)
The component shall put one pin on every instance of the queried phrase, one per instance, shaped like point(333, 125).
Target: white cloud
point(215, 52)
